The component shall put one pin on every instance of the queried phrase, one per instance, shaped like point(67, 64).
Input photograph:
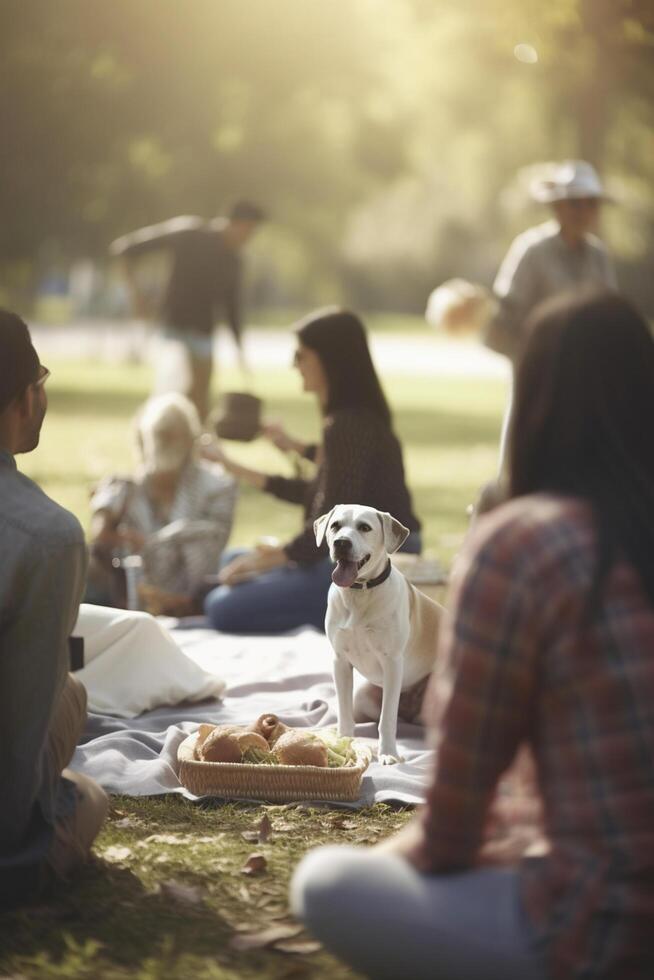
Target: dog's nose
point(342, 544)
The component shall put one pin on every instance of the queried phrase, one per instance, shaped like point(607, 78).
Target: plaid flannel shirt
point(519, 670)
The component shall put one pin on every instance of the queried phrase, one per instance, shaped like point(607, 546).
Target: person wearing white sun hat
point(557, 256)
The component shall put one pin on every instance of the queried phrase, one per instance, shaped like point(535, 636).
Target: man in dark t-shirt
point(204, 283)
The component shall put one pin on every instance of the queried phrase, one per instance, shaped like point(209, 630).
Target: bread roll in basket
point(270, 783)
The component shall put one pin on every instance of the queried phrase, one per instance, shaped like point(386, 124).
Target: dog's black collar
point(374, 581)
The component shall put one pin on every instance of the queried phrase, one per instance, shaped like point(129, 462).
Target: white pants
point(385, 919)
point(132, 664)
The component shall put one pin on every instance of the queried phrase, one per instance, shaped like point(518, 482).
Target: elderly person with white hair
point(175, 513)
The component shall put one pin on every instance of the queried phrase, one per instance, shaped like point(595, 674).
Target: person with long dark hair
point(359, 460)
point(547, 648)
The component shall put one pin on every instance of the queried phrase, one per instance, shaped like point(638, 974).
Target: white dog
point(376, 620)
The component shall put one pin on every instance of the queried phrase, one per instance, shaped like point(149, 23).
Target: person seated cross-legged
point(548, 648)
point(273, 588)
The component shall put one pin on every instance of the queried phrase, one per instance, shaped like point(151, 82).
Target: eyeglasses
point(44, 374)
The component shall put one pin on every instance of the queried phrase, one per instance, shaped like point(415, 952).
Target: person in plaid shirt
point(548, 647)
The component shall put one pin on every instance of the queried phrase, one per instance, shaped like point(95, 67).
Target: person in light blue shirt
point(562, 255)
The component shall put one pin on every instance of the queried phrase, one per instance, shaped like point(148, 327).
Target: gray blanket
point(289, 675)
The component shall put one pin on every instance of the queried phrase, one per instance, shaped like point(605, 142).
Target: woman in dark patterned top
point(359, 461)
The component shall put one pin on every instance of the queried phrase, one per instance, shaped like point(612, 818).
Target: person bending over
point(49, 815)
point(176, 513)
point(548, 644)
point(358, 461)
point(204, 282)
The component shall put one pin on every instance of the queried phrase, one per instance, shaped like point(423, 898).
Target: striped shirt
point(519, 670)
point(183, 545)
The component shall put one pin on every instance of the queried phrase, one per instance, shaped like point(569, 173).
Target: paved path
point(119, 341)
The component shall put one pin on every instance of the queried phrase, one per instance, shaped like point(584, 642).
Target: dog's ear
point(395, 533)
point(320, 526)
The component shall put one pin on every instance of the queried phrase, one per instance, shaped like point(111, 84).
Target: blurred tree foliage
point(383, 137)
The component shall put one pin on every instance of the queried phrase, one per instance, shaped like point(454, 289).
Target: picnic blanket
point(290, 675)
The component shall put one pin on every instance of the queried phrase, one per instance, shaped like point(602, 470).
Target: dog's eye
point(362, 526)
point(335, 525)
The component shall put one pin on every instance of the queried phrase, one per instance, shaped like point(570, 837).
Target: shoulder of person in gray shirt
point(42, 577)
point(28, 509)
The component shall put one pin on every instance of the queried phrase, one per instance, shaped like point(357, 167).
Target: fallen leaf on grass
point(347, 824)
point(281, 826)
point(256, 864)
point(257, 940)
point(261, 833)
point(265, 829)
point(164, 839)
point(300, 946)
point(239, 926)
point(127, 822)
point(180, 892)
point(116, 853)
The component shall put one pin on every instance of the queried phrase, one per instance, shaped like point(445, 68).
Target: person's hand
point(279, 437)
point(160, 603)
point(130, 538)
point(407, 843)
point(254, 563)
point(211, 449)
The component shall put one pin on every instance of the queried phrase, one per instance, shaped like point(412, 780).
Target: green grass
point(121, 918)
point(118, 919)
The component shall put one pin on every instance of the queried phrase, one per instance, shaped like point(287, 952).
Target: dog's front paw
point(390, 760)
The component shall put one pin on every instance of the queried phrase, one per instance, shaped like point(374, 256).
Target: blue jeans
point(279, 600)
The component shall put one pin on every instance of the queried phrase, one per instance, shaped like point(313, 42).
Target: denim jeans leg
point(279, 600)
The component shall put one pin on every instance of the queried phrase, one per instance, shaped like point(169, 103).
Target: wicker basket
point(274, 784)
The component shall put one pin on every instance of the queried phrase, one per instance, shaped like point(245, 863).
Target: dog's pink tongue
point(345, 574)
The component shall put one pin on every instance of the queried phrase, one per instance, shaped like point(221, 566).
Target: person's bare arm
point(280, 438)
point(261, 559)
point(137, 298)
point(211, 450)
